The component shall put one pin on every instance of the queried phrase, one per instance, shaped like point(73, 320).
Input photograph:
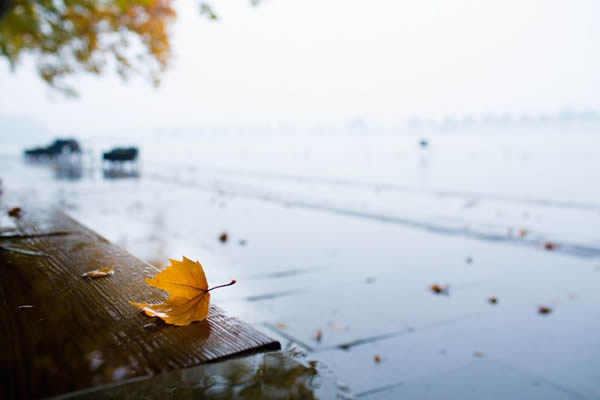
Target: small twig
point(23, 251)
point(233, 282)
point(33, 235)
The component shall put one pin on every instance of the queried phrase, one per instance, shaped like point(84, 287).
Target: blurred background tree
point(66, 37)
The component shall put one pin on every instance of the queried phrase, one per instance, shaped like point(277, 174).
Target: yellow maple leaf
point(189, 295)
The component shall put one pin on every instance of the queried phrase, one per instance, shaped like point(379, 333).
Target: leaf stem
point(220, 286)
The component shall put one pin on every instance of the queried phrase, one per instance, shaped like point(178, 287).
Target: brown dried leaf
point(440, 289)
point(544, 310)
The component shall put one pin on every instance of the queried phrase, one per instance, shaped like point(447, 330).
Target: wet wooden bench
point(62, 333)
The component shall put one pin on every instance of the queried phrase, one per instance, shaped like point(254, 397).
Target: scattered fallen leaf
point(478, 354)
point(337, 326)
point(98, 273)
point(550, 246)
point(493, 300)
point(318, 335)
point(223, 238)
point(523, 232)
point(440, 289)
point(15, 212)
point(544, 310)
point(377, 358)
point(282, 325)
point(189, 295)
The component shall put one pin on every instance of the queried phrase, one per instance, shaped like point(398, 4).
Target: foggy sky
point(332, 60)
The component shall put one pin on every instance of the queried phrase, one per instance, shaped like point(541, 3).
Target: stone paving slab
point(482, 379)
point(520, 339)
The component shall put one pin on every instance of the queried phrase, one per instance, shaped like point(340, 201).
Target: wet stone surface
point(342, 269)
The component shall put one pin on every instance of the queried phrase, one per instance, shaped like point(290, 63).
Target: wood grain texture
point(61, 332)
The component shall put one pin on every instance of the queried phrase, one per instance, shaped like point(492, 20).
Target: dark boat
point(60, 146)
point(121, 154)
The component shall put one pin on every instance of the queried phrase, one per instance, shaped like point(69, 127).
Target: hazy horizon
point(337, 61)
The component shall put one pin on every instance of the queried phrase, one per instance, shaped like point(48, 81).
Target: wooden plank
point(61, 333)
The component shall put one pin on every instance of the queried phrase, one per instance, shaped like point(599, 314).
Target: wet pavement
point(343, 272)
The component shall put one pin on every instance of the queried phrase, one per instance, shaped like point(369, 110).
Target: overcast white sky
point(315, 60)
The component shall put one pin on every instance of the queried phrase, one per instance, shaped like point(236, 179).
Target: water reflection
point(70, 171)
point(275, 375)
point(118, 173)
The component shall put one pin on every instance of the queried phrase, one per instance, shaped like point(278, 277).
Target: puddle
point(275, 375)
